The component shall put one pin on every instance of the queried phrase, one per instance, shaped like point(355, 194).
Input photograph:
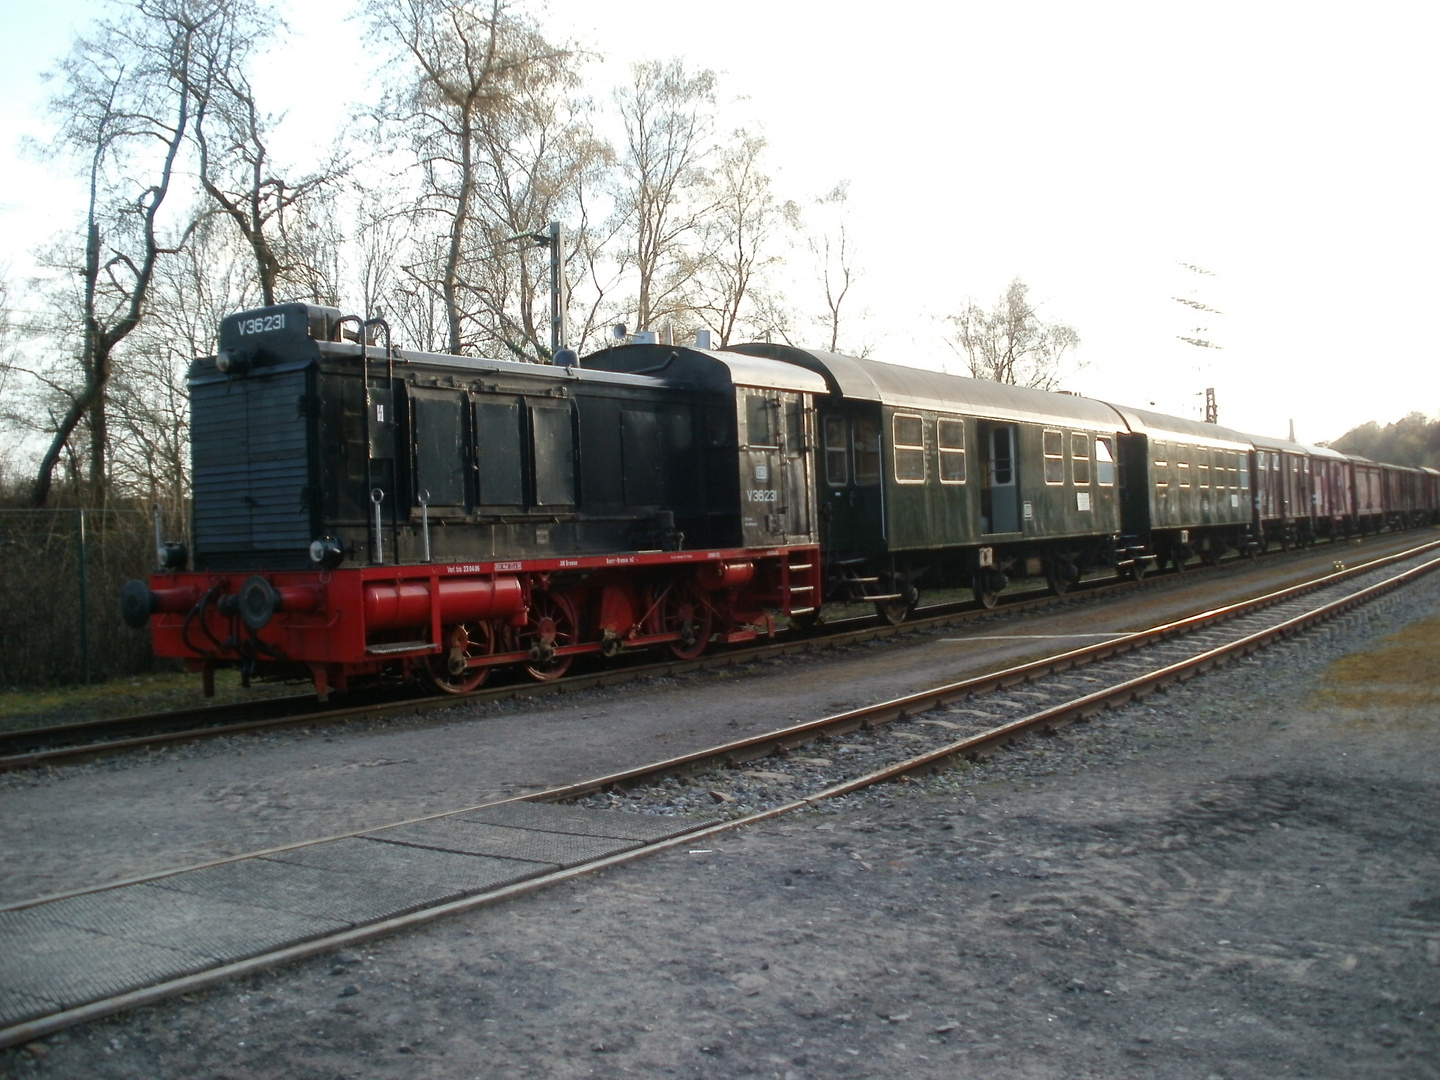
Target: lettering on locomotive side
point(760, 496)
point(507, 565)
point(261, 325)
point(619, 560)
point(569, 562)
point(468, 568)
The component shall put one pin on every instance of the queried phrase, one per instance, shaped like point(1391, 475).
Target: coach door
point(1000, 496)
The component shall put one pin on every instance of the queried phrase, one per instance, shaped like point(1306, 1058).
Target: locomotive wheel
point(684, 610)
point(447, 671)
point(551, 625)
point(808, 620)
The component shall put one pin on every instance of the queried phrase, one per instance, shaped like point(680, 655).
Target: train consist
point(361, 509)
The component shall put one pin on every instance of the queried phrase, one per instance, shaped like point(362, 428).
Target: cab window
point(759, 421)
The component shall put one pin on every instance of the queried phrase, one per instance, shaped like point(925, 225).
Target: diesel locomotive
point(362, 509)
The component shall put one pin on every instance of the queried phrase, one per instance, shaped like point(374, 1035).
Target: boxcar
point(1332, 494)
point(1283, 505)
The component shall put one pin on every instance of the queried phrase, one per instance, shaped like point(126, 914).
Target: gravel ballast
point(1238, 878)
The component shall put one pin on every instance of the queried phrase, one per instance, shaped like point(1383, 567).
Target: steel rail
point(970, 747)
point(787, 739)
point(212, 722)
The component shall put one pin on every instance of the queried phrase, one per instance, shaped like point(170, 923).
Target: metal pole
point(84, 604)
point(556, 238)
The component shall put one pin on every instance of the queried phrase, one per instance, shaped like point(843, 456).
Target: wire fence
point(61, 571)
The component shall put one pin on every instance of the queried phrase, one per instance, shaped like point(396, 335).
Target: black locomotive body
point(360, 507)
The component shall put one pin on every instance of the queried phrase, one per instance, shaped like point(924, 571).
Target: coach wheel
point(449, 671)
point(1211, 556)
point(985, 589)
point(1059, 576)
point(685, 611)
point(1137, 569)
point(549, 626)
point(896, 611)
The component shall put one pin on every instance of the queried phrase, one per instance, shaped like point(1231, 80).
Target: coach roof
point(915, 388)
point(1179, 429)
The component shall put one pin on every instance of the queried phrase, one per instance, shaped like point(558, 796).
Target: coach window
point(1104, 463)
point(1053, 445)
point(1244, 472)
point(950, 438)
point(867, 451)
point(837, 463)
point(1080, 457)
point(909, 434)
point(759, 421)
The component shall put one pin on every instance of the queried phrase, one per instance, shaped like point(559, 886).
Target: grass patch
point(129, 696)
point(1401, 671)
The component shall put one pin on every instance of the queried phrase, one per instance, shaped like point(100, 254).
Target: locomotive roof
point(1178, 428)
point(703, 367)
point(894, 384)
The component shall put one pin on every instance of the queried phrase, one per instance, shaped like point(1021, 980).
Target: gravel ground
point(1238, 878)
point(76, 827)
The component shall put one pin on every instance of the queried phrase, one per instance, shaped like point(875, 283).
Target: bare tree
point(538, 160)
point(739, 238)
point(834, 255)
point(465, 62)
point(232, 134)
point(1009, 343)
point(124, 109)
point(665, 188)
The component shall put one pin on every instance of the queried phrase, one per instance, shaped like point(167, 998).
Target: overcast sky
point(1087, 148)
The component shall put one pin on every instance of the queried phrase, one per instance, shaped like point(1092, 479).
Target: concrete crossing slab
point(552, 817)
point(500, 841)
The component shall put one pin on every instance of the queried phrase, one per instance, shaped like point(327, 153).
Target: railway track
point(72, 742)
point(255, 911)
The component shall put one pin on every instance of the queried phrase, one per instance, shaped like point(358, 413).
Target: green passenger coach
point(924, 477)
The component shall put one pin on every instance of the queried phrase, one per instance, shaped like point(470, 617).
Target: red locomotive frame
point(453, 623)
